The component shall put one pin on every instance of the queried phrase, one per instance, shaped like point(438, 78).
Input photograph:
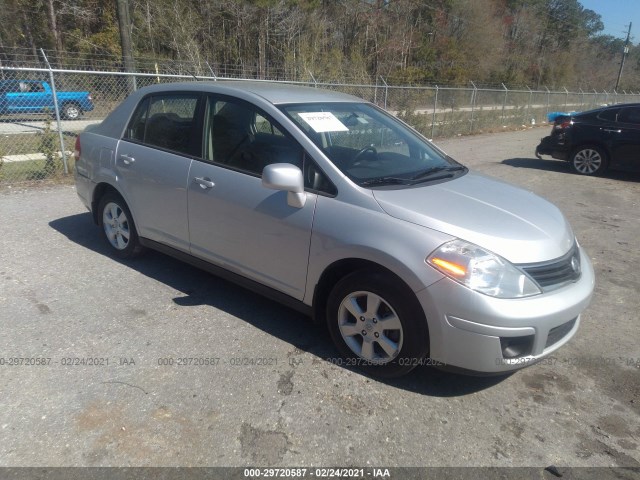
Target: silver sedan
point(329, 204)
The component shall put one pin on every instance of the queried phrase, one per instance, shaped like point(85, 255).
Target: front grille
point(556, 334)
point(554, 274)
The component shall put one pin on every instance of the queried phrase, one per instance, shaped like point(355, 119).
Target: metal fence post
point(473, 104)
point(606, 96)
point(57, 109)
point(529, 103)
point(504, 100)
point(566, 98)
point(386, 91)
point(435, 107)
point(548, 99)
point(581, 99)
point(215, 78)
point(315, 83)
point(375, 93)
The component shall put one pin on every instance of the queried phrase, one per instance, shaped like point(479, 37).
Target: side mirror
point(288, 178)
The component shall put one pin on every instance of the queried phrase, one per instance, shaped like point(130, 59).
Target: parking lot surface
point(153, 362)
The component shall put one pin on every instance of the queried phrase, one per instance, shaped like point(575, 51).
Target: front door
point(234, 221)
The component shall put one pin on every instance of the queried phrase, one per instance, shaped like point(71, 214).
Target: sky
point(616, 15)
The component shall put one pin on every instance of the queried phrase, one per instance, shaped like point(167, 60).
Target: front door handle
point(127, 159)
point(204, 183)
point(610, 130)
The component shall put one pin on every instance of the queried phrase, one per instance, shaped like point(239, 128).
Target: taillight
point(76, 153)
point(563, 125)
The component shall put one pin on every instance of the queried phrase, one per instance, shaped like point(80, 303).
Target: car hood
point(514, 223)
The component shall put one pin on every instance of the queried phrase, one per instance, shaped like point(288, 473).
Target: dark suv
point(593, 141)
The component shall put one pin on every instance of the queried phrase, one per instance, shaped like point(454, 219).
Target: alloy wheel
point(116, 226)
point(370, 327)
point(587, 161)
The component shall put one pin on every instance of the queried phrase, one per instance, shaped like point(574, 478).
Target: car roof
point(605, 108)
point(275, 93)
point(253, 91)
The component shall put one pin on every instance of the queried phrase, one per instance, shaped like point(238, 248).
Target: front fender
point(345, 231)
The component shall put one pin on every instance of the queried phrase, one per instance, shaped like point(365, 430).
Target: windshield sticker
point(323, 122)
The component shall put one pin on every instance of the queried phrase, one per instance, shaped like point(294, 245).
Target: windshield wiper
point(430, 172)
point(376, 182)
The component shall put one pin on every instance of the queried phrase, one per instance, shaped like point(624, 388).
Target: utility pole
point(124, 24)
point(625, 51)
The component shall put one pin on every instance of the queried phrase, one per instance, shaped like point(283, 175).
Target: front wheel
point(377, 323)
point(118, 227)
point(588, 160)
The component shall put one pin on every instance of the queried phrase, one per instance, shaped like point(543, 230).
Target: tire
point(357, 328)
point(118, 227)
point(589, 160)
point(71, 111)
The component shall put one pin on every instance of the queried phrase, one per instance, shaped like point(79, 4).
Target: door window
point(630, 115)
point(34, 87)
point(610, 115)
point(167, 122)
point(243, 137)
point(240, 136)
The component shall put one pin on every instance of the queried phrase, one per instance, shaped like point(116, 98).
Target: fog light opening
point(515, 347)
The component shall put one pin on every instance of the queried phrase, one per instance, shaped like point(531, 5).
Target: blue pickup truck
point(34, 96)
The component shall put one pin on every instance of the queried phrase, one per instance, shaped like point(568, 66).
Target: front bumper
point(472, 331)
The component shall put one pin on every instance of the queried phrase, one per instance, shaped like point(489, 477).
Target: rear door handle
point(204, 183)
point(127, 159)
point(610, 130)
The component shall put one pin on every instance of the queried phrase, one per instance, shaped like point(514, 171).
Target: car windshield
point(370, 146)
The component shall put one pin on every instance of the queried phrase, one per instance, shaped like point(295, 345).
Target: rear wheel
point(118, 227)
point(377, 323)
point(588, 160)
point(71, 111)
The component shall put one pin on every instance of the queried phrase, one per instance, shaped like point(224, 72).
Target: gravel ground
point(63, 297)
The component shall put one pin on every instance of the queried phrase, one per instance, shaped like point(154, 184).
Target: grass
point(18, 172)
point(32, 170)
point(26, 143)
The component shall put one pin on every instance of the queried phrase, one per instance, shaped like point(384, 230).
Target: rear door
point(153, 161)
point(626, 140)
point(234, 221)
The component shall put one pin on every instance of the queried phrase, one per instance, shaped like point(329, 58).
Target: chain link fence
point(42, 110)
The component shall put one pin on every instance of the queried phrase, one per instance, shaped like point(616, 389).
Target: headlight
point(481, 270)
